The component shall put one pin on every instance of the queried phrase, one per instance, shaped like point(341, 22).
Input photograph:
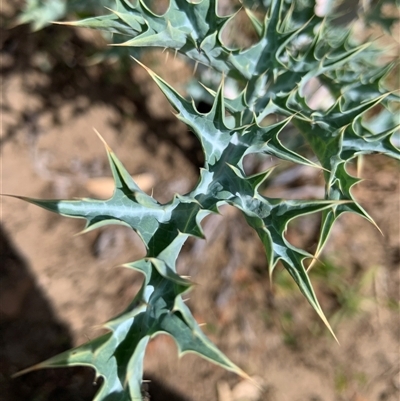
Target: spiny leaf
point(224, 180)
point(157, 309)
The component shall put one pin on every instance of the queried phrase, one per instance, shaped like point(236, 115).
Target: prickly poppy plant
point(294, 46)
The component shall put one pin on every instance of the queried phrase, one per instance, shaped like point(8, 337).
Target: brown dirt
point(57, 287)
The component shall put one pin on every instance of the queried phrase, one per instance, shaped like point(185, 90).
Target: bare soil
point(57, 288)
